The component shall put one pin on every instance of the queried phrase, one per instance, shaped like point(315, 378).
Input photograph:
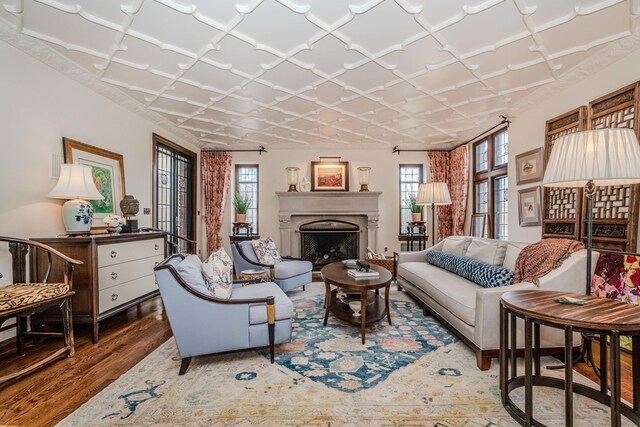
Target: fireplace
point(325, 241)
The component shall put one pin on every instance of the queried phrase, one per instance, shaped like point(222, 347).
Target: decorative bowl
point(355, 306)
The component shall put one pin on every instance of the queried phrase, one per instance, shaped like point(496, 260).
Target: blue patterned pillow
point(485, 275)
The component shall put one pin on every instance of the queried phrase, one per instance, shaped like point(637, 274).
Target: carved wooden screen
point(562, 206)
point(615, 208)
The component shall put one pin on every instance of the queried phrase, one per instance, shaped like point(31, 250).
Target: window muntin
point(501, 207)
point(410, 179)
point(247, 185)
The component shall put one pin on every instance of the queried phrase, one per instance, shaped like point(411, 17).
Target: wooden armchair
point(22, 299)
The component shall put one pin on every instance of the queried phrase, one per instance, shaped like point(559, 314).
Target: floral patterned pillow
point(218, 271)
point(266, 251)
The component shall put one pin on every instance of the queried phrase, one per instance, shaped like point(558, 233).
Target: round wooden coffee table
point(336, 274)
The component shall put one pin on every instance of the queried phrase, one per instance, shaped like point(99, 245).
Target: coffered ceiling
point(309, 73)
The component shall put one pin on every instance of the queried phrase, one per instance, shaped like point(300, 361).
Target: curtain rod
point(259, 150)
point(504, 120)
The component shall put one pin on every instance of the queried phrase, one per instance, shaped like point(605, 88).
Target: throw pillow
point(190, 269)
point(485, 275)
point(218, 270)
point(456, 245)
point(487, 251)
point(266, 251)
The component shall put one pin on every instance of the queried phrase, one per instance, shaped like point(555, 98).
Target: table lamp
point(586, 160)
point(434, 194)
point(76, 185)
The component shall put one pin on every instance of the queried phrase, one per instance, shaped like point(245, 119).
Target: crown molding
point(45, 54)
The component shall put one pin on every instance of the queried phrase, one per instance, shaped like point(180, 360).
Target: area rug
point(413, 372)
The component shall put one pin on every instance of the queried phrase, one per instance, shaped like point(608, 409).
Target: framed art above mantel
point(329, 176)
point(107, 169)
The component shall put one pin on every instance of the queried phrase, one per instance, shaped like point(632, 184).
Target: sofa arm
point(417, 256)
point(571, 275)
point(487, 328)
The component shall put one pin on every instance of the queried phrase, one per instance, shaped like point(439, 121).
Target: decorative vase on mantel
point(416, 216)
point(241, 217)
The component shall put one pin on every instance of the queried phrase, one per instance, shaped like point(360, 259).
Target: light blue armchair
point(258, 315)
point(289, 274)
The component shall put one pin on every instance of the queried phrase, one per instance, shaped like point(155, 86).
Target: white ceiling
point(296, 73)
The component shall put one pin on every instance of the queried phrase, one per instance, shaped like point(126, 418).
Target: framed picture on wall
point(529, 166)
point(108, 174)
point(529, 212)
point(480, 225)
point(329, 176)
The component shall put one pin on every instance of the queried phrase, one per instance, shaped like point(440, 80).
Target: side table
point(603, 317)
point(253, 274)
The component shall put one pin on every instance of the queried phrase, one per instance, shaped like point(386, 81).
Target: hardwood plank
point(49, 395)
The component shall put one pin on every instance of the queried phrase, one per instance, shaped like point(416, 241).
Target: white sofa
point(473, 312)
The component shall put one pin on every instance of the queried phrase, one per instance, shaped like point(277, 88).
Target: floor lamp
point(434, 194)
point(587, 160)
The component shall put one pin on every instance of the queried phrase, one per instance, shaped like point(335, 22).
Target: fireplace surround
point(355, 208)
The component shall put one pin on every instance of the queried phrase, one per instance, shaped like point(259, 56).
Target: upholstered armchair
point(257, 315)
point(289, 274)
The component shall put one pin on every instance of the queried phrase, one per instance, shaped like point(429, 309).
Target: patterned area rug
point(412, 373)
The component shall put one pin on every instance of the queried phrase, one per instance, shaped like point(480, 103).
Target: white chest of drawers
point(117, 272)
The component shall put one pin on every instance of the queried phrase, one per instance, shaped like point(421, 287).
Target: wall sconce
point(364, 173)
point(292, 178)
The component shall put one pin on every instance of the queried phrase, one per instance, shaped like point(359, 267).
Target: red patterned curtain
point(216, 175)
point(452, 168)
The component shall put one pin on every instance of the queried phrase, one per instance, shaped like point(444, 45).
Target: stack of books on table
point(363, 274)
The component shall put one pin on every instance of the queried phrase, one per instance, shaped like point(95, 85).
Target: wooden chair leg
point(21, 328)
point(67, 325)
point(272, 349)
point(271, 319)
point(304, 287)
point(184, 365)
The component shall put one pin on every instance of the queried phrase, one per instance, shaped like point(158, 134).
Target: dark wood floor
point(49, 395)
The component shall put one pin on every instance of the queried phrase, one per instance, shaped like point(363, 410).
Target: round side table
point(600, 316)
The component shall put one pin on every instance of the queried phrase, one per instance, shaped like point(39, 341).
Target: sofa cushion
point(454, 293)
point(218, 272)
point(258, 312)
point(485, 275)
point(190, 270)
point(511, 256)
point(489, 251)
point(456, 245)
point(266, 251)
point(287, 269)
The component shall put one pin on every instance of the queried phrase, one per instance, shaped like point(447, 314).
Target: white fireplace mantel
point(337, 204)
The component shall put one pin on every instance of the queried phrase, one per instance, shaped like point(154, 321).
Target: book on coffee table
point(363, 274)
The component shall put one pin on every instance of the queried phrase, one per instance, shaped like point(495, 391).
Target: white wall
point(527, 130)
point(384, 177)
point(39, 106)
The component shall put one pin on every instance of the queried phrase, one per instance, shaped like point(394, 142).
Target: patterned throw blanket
point(534, 261)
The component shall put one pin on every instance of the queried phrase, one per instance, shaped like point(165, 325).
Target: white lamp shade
point(606, 156)
point(433, 193)
point(75, 182)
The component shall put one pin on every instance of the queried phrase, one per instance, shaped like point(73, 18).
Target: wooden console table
point(117, 272)
point(603, 317)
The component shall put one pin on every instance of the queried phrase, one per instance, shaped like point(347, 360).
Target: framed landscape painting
point(107, 169)
point(329, 176)
point(529, 167)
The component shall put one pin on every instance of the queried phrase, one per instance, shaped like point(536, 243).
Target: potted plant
point(241, 204)
point(416, 209)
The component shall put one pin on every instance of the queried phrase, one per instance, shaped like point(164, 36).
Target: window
point(174, 189)
point(247, 185)
point(410, 179)
point(490, 182)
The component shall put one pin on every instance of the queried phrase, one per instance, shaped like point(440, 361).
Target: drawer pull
point(156, 247)
point(114, 275)
point(114, 254)
point(114, 297)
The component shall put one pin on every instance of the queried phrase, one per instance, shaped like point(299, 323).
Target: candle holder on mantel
point(292, 178)
point(364, 173)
